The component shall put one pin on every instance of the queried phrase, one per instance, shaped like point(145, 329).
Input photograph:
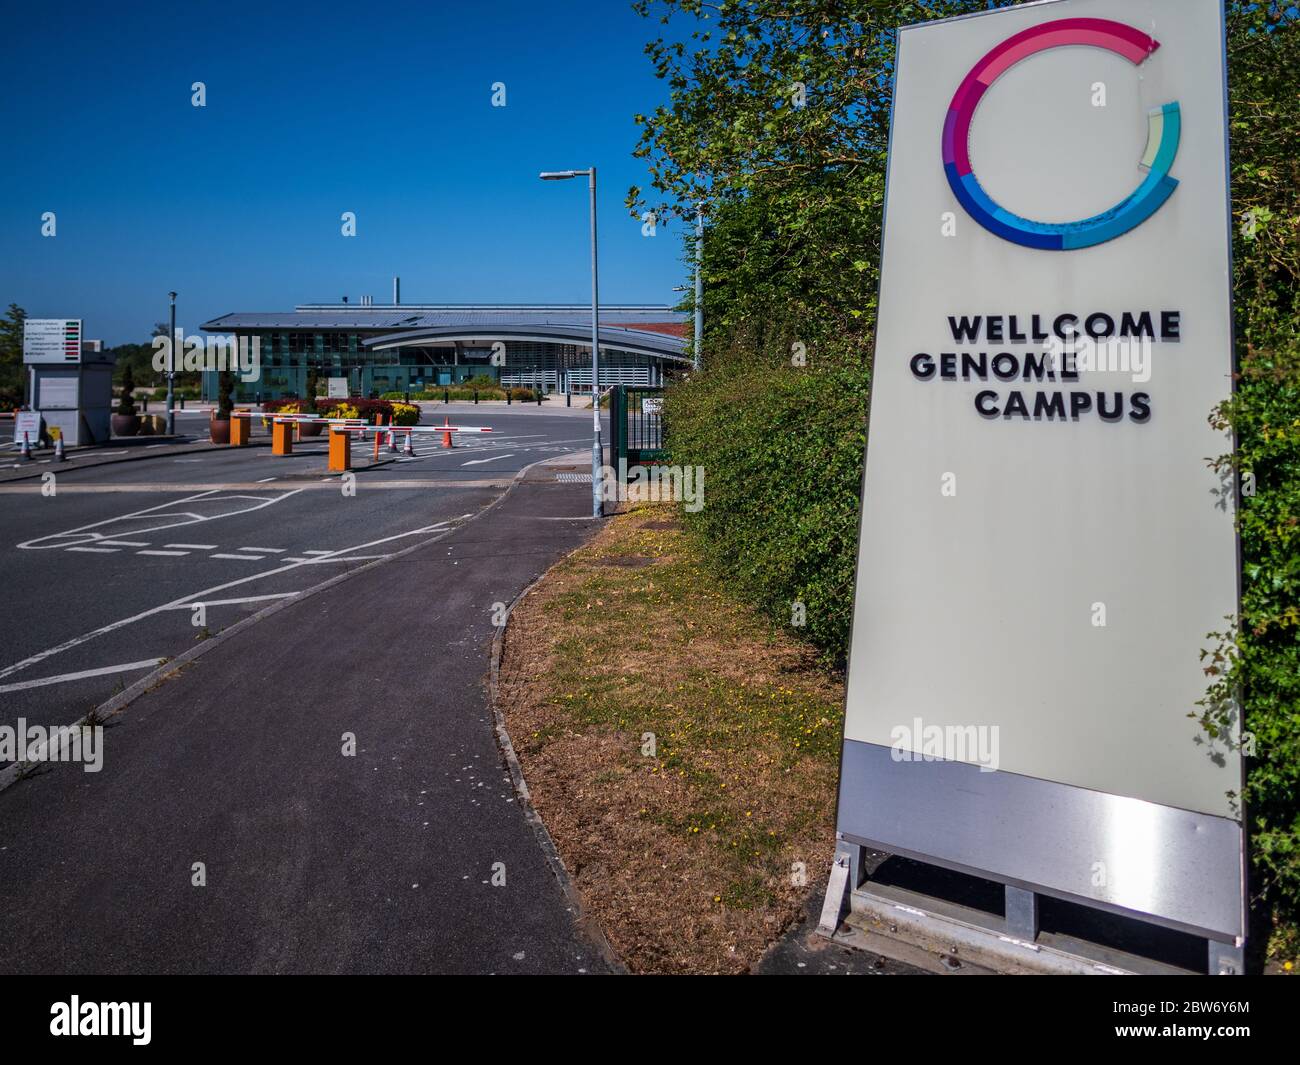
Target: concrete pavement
point(387, 860)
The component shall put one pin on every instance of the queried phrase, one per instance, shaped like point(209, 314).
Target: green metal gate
point(636, 424)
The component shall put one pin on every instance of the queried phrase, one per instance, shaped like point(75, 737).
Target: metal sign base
point(947, 937)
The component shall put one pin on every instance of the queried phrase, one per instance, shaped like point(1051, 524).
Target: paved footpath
point(314, 862)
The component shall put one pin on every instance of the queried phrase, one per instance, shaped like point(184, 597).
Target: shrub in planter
point(369, 409)
point(405, 414)
point(283, 406)
point(219, 427)
point(125, 421)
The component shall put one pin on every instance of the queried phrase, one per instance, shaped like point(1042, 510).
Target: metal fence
point(636, 424)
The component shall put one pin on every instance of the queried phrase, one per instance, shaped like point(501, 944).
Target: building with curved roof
point(413, 347)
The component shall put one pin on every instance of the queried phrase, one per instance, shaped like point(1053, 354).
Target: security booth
point(69, 381)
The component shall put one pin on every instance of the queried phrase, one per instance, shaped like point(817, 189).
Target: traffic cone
point(408, 448)
point(59, 456)
point(392, 442)
point(446, 437)
point(27, 448)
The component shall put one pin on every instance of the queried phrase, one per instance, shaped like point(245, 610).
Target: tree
point(11, 356)
point(225, 394)
point(126, 404)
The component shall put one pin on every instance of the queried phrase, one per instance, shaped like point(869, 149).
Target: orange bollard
point(446, 437)
point(240, 430)
point(281, 439)
point(340, 449)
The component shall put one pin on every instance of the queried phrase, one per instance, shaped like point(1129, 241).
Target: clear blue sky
point(384, 110)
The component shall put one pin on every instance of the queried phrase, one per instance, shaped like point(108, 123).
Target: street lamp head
point(172, 295)
point(562, 175)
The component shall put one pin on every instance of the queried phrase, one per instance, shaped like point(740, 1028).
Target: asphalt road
point(230, 829)
point(102, 577)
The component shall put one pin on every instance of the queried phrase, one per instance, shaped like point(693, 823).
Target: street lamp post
point(699, 281)
point(597, 455)
point(171, 370)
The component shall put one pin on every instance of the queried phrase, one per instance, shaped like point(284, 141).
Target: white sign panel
point(58, 393)
point(52, 340)
point(1043, 547)
point(338, 388)
point(27, 423)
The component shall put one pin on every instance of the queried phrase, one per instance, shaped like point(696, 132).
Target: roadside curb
point(11, 774)
point(583, 918)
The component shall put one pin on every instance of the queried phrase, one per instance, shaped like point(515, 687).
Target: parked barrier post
point(281, 437)
point(340, 449)
point(476, 396)
point(241, 428)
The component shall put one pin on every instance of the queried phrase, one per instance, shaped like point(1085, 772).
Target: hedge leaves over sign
point(794, 183)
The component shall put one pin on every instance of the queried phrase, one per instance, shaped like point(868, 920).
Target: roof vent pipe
point(397, 291)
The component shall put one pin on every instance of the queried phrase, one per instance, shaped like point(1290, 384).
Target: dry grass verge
point(696, 857)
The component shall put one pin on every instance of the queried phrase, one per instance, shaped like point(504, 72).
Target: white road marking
point(196, 547)
point(266, 480)
point(194, 597)
point(124, 543)
point(185, 518)
point(233, 602)
point(317, 552)
point(494, 458)
point(97, 550)
point(164, 554)
point(240, 558)
point(271, 550)
point(63, 678)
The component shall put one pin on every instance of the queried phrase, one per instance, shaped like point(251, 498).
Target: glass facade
point(286, 358)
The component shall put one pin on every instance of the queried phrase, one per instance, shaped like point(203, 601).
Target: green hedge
point(782, 452)
point(1258, 665)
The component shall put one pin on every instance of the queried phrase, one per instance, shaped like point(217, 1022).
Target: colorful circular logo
point(1163, 129)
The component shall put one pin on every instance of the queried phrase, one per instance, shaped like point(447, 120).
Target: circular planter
point(310, 428)
point(219, 430)
point(125, 424)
